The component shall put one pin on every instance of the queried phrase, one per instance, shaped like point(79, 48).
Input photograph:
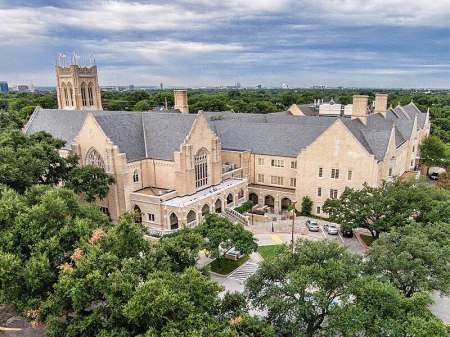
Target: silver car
point(331, 229)
point(312, 225)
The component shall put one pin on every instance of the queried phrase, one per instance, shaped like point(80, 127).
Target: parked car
point(312, 225)
point(434, 175)
point(346, 232)
point(233, 255)
point(331, 229)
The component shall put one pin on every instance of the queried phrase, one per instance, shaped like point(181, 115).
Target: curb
point(361, 242)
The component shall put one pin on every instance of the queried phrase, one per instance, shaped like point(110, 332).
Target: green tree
point(434, 152)
point(180, 249)
point(376, 308)
point(413, 258)
point(378, 209)
point(141, 106)
point(91, 181)
point(307, 204)
point(28, 160)
point(299, 290)
point(221, 235)
point(39, 237)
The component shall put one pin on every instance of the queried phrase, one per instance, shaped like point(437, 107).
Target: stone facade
point(172, 168)
point(77, 88)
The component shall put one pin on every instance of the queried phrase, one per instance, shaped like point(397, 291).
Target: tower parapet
point(77, 86)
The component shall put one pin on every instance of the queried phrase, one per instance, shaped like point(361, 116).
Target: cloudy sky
point(369, 43)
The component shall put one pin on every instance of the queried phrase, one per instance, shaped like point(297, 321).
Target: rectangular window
point(333, 194)
point(293, 182)
point(390, 172)
point(151, 217)
point(294, 164)
point(349, 175)
point(414, 148)
point(320, 172)
point(260, 161)
point(275, 180)
point(318, 210)
point(335, 173)
point(104, 210)
point(260, 178)
point(277, 163)
point(319, 191)
point(412, 163)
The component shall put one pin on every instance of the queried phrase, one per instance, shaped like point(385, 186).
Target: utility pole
point(293, 224)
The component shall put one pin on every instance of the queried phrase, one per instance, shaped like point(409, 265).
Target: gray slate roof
point(159, 134)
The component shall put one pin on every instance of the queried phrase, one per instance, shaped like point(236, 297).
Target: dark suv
point(346, 232)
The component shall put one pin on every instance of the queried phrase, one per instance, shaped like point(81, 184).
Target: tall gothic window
point(94, 158)
point(83, 94)
point(71, 94)
point(91, 95)
point(66, 96)
point(201, 168)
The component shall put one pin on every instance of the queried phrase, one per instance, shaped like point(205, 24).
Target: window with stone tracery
point(201, 168)
point(94, 158)
point(91, 95)
point(83, 94)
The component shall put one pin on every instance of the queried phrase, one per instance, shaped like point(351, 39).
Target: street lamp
point(293, 224)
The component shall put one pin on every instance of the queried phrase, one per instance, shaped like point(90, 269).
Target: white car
point(331, 229)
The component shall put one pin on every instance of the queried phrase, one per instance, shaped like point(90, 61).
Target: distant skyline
point(353, 43)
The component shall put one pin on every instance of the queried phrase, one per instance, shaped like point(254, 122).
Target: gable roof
point(159, 134)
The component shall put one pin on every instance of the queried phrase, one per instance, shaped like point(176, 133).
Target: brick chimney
point(181, 101)
point(381, 104)
point(360, 107)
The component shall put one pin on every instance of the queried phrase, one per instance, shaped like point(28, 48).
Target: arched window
point(135, 176)
point(66, 95)
point(138, 211)
point(91, 95)
point(201, 168)
point(69, 87)
point(94, 158)
point(83, 94)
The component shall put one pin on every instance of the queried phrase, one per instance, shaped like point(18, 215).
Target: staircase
point(235, 216)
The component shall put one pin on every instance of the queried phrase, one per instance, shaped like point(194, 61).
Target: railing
point(238, 216)
point(192, 223)
point(154, 232)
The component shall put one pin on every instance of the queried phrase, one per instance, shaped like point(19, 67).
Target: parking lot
point(282, 233)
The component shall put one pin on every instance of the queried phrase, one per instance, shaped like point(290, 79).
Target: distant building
point(4, 86)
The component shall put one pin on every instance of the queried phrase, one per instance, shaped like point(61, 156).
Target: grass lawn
point(227, 266)
point(368, 239)
point(267, 251)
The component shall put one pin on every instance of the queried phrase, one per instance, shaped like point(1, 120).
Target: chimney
point(360, 107)
point(181, 101)
point(381, 104)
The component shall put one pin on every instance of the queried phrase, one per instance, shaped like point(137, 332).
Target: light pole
point(293, 224)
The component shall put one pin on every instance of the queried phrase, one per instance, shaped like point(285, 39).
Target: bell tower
point(77, 86)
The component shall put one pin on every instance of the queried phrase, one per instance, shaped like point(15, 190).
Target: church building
point(173, 167)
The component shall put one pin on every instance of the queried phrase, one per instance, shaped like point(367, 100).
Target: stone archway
point(205, 209)
point(218, 206)
point(240, 194)
point(285, 203)
point(270, 202)
point(254, 198)
point(173, 220)
point(138, 211)
point(230, 199)
point(191, 218)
